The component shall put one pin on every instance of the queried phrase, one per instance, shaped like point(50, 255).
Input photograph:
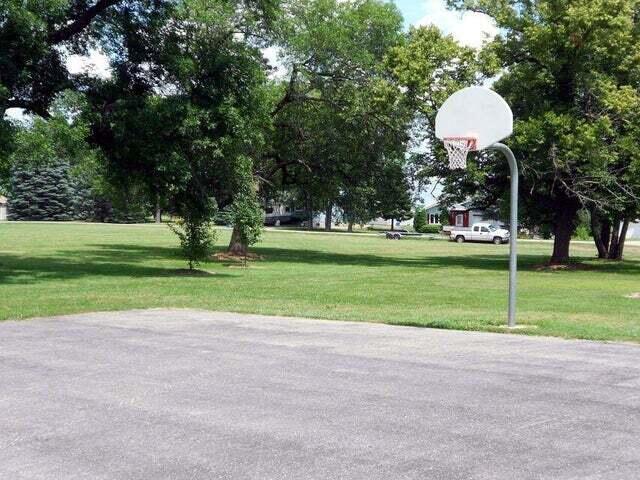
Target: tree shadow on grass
point(125, 261)
point(498, 261)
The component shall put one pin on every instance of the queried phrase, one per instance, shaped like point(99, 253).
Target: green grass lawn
point(49, 269)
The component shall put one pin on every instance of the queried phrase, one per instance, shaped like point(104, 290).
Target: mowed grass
point(51, 269)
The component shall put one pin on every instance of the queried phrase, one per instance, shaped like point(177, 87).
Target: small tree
point(248, 220)
point(197, 239)
point(420, 220)
point(246, 212)
point(194, 229)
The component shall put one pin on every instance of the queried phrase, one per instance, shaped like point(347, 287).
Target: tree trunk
point(328, 217)
point(623, 238)
point(600, 235)
point(619, 237)
point(236, 246)
point(393, 227)
point(350, 227)
point(158, 210)
point(564, 226)
point(615, 240)
point(606, 233)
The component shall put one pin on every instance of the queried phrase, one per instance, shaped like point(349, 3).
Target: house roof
point(464, 206)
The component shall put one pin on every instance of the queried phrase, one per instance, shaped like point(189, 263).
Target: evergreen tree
point(41, 193)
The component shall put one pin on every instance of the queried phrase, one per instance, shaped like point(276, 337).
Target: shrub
point(433, 229)
point(197, 239)
point(420, 220)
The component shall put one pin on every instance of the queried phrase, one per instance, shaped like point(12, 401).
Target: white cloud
point(469, 28)
point(274, 59)
point(96, 64)
point(17, 115)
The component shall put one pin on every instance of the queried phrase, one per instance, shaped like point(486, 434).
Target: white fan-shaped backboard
point(475, 112)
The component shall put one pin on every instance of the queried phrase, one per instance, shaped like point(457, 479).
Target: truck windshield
point(492, 228)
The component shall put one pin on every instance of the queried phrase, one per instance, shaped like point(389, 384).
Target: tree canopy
point(570, 72)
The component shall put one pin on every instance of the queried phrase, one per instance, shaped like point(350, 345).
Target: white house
point(434, 211)
point(634, 231)
point(3, 208)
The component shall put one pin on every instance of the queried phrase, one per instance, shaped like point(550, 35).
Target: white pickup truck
point(480, 232)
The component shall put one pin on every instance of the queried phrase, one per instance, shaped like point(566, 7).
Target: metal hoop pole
point(513, 241)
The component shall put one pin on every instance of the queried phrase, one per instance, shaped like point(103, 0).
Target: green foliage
point(188, 141)
point(357, 203)
point(246, 213)
point(420, 220)
point(53, 167)
point(340, 118)
point(197, 239)
point(248, 218)
point(393, 198)
point(32, 71)
point(223, 217)
point(46, 141)
point(41, 193)
point(432, 229)
point(421, 223)
point(444, 217)
point(429, 66)
point(583, 228)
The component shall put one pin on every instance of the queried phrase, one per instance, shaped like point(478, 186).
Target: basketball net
point(458, 149)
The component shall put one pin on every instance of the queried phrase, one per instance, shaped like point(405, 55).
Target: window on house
point(459, 220)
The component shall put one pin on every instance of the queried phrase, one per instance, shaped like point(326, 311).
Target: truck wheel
point(460, 239)
point(497, 241)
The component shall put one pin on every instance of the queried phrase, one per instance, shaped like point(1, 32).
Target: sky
point(468, 28)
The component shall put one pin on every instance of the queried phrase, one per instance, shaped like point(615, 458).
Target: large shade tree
point(562, 65)
point(340, 118)
point(187, 105)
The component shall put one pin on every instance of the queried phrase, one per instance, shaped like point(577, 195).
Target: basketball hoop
point(476, 119)
point(458, 149)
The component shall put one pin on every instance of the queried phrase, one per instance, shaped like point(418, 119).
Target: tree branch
point(26, 105)
point(80, 22)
